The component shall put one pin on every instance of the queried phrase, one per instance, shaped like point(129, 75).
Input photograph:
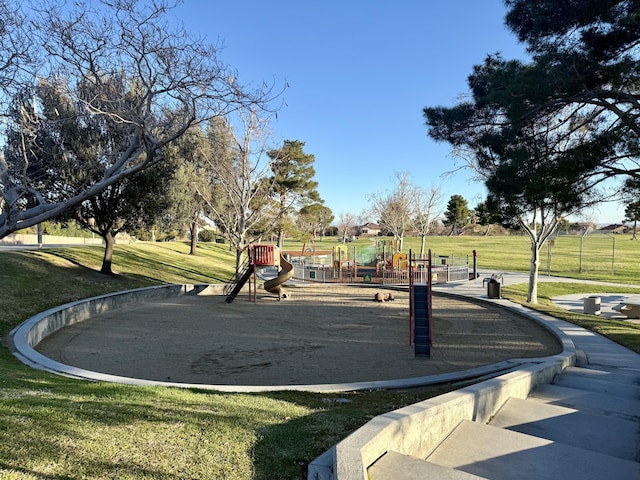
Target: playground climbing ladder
point(232, 288)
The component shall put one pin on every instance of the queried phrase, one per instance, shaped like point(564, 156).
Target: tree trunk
point(281, 238)
point(109, 243)
point(635, 230)
point(538, 240)
point(194, 238)
point(532, 295)
point(238, 260)
point(423, 242)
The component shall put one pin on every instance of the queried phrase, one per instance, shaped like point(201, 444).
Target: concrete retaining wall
point(418, 429)
point(413, 430)
point(32, 239)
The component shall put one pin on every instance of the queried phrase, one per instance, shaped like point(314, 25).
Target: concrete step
point(592, 380)
point(496, 453)
point(395, 466)
point(586, 401)
point(611, 435)
point(613, 374)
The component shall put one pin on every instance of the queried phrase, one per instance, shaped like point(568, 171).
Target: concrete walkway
point(584, 424)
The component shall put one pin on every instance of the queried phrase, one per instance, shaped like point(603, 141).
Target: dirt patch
point(318, 335)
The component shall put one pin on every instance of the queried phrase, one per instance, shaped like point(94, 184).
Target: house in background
point(578, 228)
point(369, 230)
point(614, 228)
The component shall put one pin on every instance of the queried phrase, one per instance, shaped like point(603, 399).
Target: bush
point(206, 235)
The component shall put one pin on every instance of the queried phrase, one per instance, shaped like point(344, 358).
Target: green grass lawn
point(55, 427)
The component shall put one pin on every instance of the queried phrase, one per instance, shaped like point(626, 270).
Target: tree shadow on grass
point(284, 450)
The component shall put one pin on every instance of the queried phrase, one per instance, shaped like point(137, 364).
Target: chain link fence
point(595, 253)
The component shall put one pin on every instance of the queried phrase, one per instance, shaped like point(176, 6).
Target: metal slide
point(284, 274)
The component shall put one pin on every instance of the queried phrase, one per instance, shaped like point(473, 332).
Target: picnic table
point(630, 306)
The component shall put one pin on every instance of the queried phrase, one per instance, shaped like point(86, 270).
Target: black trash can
point(493, 288)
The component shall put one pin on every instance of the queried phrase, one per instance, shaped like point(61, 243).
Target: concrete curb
point(32, 331)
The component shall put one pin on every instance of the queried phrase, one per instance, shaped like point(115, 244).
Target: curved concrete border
point(27, 335)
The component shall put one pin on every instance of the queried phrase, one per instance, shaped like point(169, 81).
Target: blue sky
point(359, 74)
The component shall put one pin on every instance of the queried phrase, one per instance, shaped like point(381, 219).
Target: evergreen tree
point(457, 213)
point(315, 217)
point(190, 184)
point(292, 180)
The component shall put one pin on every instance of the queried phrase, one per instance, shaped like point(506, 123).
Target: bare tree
point(167, 81)
point(346, 222)
point(18, 58)
point(426, 210)
point(395, 210)
point(187, 208)
point(240, 195)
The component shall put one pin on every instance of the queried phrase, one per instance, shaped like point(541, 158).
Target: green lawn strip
point(289, 446)
point(169, 262)
point(58, 428)
point(107, 431)
point(620, 331)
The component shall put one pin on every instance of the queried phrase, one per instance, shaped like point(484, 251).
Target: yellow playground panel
point(400, 261)
point(340, 255)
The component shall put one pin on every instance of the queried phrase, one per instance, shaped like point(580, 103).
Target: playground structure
point(260, 256)
point(343, 263)
point(419, 273)
point(380, 263)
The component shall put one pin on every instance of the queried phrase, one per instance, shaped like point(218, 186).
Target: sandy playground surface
point(321, 334)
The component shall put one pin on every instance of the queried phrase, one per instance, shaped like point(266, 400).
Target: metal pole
point(411, 302)
point(430, 296)
point(586, 231)
point(613, 255)
point(580, 267)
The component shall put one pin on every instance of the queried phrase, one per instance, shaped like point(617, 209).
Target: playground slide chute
point(284, 274)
